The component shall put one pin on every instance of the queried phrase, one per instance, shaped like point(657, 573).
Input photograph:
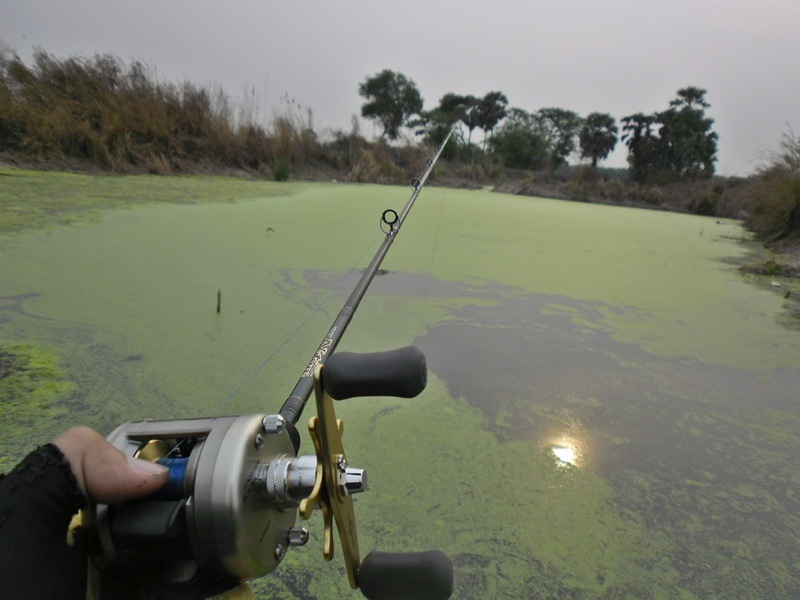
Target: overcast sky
point(615, 56)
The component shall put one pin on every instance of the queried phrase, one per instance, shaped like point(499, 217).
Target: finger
point(103, 472)
point(111, 477)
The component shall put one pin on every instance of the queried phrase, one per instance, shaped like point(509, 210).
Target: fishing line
point(280, 347)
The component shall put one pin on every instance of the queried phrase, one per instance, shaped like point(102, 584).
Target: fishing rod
point(237, 484)
point(391, 223)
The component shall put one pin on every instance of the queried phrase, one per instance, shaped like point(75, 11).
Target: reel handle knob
point(406, 576)
point(401, 373)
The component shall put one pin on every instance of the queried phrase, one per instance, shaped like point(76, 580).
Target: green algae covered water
point(612, 410)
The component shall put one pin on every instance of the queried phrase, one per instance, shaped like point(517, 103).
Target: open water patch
point(704, 454)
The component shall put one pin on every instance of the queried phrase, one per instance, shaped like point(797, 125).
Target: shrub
point(281, 170)
point(776, 211)
point(612, 190)
point(375, 163)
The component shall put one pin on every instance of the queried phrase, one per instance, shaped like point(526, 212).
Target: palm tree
point(643, 150)
point(598, 137)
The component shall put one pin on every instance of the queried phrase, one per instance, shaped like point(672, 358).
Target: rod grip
point(406, 576)
point(400, 373)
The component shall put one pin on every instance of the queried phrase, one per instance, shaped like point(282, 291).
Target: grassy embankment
point(101, 114)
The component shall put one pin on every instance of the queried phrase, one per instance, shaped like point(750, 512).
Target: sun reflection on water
point(565, 454)
point(567, 451)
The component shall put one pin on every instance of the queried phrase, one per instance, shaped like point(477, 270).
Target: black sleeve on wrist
point(37, 501)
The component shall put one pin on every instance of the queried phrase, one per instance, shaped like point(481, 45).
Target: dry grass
point(99, 113)
point(120, 117)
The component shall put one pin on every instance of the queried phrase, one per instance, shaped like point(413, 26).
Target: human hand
point(104, 474)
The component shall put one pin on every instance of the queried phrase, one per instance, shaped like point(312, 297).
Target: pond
point(612, 411)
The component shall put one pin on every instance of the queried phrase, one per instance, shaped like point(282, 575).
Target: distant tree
point(518, 142)
point(519, 116)
point(433, 131)
point(684, 145)
point(690, 97)
point(467, 110)
point(688, 144)
point(560, 128)
point(453, 107)
point(457, 108)
point(644, 154)
point(471, 117)
point(598, 137)
point(435, 124)
point(391, 99)
point(491, 109)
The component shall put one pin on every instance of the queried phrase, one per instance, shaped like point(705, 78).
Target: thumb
point(104, 473)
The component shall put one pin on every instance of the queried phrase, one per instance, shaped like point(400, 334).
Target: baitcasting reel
point(236, 486)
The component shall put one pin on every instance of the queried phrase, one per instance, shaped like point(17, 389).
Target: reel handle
point(406, 576)
point(401, 373)
point(381, 575)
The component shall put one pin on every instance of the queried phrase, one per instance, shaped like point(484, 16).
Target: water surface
point(612, 411)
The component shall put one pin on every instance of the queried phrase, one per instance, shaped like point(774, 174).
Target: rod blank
point(293, 407)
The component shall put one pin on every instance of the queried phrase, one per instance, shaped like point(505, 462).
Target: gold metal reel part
point(326, 432)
